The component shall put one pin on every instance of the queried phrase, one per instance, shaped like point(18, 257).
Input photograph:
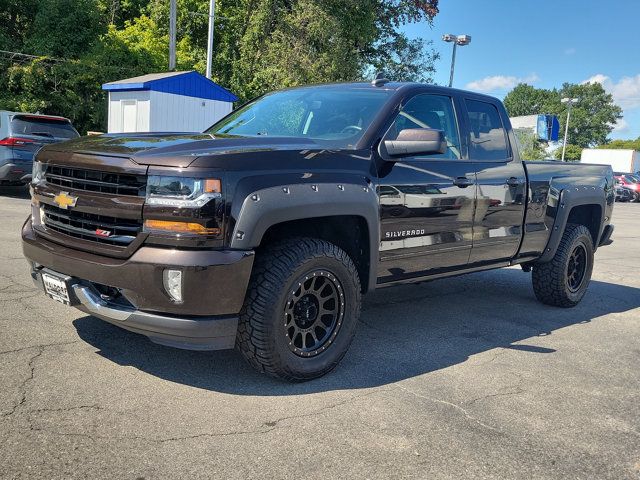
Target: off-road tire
point(551, 280)
point(262, 334)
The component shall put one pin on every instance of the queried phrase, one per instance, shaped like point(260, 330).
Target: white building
point(166, 102)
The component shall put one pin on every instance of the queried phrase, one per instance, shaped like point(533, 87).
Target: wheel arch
point(345, 214)
point(580, 205)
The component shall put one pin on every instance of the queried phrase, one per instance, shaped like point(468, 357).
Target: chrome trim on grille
point(85, 225)
point(95, 180)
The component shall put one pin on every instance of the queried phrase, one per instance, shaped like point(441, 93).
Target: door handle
point(462, 182)
point(513, 181)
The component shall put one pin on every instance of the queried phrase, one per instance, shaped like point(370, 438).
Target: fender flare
point(265, 207)
point(570, 198)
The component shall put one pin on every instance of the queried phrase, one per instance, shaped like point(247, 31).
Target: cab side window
point(429, 111)
point(488, 136)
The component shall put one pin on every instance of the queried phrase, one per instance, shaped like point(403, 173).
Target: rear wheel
point(301, 309)
point(564, 280)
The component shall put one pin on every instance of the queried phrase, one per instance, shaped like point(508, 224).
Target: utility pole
point(172, 35)
point(570, 102)
point(212, 17)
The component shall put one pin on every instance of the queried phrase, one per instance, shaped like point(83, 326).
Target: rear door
point(501, 182)
point(426, 202)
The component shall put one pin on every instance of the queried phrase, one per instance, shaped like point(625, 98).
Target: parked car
point(265, 231)
point(623, 194)
point(21, 136)
point(631, 182)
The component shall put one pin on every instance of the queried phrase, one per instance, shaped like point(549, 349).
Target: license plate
point(56, 288)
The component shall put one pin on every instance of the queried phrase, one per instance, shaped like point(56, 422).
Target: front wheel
point(301, 309)
point(564, 280)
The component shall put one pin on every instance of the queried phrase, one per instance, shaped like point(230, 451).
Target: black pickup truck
point(265, 231)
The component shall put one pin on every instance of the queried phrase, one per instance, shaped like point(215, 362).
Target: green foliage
point(623, 144)
point(572, 153)
point(74, 88)
point(527, 100)
point(259, 45)
point(592, 118)
point(16, 19)
point(529, 146)
point(64, 28)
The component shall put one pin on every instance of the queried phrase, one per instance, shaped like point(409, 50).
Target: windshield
point(633, 178)
point(42, 127)
point(336, 117)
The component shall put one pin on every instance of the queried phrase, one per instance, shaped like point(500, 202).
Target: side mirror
point(415, 141)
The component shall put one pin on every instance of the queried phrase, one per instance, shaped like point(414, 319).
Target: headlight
point(182, 192)
point(37, 172)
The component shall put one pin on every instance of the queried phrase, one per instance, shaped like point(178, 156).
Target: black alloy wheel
point(301, 309)
point(576, 268)
point(564, 279)
point(313, 313)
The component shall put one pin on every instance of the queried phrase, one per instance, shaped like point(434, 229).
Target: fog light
point(172, 280)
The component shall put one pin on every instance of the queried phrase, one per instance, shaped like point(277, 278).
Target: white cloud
point(499, 82)
point(621, 126)
point(626, 92)
point(569, 51)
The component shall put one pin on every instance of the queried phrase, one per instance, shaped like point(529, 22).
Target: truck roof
point(393, 86)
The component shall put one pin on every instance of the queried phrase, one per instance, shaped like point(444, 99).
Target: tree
point(592, 118)
point(529, 146)
point(623, 144)
point(16, 18)
point(64, 28)
point(73, 88)
point(525, 99)
point(259, 45)
point(572, 153)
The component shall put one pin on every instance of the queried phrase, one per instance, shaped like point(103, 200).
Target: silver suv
point(21, 136)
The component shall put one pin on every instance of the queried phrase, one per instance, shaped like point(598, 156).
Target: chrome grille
point(95, 180)
point(121, 231)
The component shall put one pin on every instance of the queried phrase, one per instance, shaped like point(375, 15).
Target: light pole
point(461, 40)
point(212, 16)
point(570, 102)
point(172, 35)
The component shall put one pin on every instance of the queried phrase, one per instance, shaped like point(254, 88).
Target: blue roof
point(189, 84)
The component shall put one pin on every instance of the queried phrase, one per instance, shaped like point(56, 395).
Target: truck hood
point(174, 149)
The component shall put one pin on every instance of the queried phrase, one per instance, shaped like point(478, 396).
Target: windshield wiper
point(42, 134)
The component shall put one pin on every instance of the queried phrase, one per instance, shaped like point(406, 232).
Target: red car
point(630, 182)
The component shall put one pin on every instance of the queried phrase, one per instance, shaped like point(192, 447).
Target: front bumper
point(214, 287)
point(198, 333)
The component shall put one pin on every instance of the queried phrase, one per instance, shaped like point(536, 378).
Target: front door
point(129, 116)
point(426, 202)
point(502, 185)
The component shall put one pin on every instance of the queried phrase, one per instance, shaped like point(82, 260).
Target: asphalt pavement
point(468, 377)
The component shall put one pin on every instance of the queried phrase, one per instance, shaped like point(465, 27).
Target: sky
point(544, 43)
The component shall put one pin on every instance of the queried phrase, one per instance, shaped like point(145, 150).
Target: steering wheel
point(356, 129)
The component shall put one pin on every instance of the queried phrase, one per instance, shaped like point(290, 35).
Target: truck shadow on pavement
point(14, 191)
point(404, 332)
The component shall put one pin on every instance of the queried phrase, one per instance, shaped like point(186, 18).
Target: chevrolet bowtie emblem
point(64, 200)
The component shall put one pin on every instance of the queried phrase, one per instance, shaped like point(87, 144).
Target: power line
point(26, 58)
